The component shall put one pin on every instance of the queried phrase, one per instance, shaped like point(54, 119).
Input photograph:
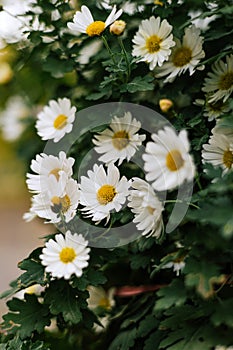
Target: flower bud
point(165, 105)
point(118, 27)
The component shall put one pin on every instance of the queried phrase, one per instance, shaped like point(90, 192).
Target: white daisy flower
point(58, 202)
point(167, 159)
point(45, 165)
point(36, 289)
point(146, 207)
point(185, 56)
point(56, 119)
point(213, 110)
point(120, 141)
point(222, 347)
point(177, 266)
point(219, 83)
point(219, 151)
point(65, 255)
point(100, 298)
point(83, 22)
point(11, 118)
point(153, 41)
point(103, 192)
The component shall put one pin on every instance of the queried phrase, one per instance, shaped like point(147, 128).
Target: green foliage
point(156, 307)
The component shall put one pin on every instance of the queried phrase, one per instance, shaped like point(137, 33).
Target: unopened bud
point(157, 2)
point(165, 105)
point(118, 27)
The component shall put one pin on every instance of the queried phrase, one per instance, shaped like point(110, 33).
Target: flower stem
point(108, 49)
point(126, 57)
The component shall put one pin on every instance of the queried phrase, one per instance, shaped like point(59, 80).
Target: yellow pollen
point(105, 194)
point(153, 43)
point(182, 56)
point(174, 160)
point(228, 159)
point(104, 303)
point(120, 139)
point(60, 121)
point(55, 172)
point(67, 255)
point(226, 81)
point(151, 210)
point(63, 202)
point(95, 28)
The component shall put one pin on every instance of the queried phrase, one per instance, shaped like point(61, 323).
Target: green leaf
point(96, 277)
point(174, 294)
point(28, 316)
point(223, 313)
point(153, 341)
point(146, 326)
point(139, 261)
point(68, 305)
point(138, 84)
point(57, 67)
point(124, 340)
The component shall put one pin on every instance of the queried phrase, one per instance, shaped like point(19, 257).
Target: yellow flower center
point(120, 139)
point(60, 121)
point(67, 255)
point(228, 159)
point(104, 303)
point(55, 172)
point(95, 28)
point(63, 203)
point(174, 160)
point(105, 194)
point(182, 56)
point(153, 43)
point(226, 81)
point(150, 210)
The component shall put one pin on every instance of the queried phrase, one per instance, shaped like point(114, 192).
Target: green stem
point(108, 49)
point(126, 57)
point(180, 201)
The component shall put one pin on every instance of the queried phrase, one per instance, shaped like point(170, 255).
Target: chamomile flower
point(177, 266)
point(56, 119)
point(120, 141)
point(223, 347)
point(100, 298)
point(219, 151)
point(219, 82)
point(58, 202)
point(147, 208)
point(153, 41)
point(83, 22)
point(185, 56)
point(45, 165)
point(65, 255)
point(213, 110)
point(103, 192)
point(167, 160)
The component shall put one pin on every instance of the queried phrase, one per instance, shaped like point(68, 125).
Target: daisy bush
point(121, 112)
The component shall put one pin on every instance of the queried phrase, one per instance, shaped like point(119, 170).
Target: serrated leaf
point(138, 84)
point(61, 298)
point(96, 277)
point(146, 326)
point(223, 313)
point(139, 261)
point(28, 316)
point(57, 67)
point(174, 294)
point(153, 341)
point(124, 340)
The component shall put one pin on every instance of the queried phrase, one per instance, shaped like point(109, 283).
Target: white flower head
point(59, 202)
point(223, 347)
point(100, 298)
point(177, 266)
point(83, 22)
point(120, 141)
point(103, 192)
point(45, 165)
point(65, 255)
point(167, 160)
point(56, 119)
point(185, 56)
point(153, 41)
point(11, 118)
point(147, 208)
point(219, 151)
point(213, 110)
point(219, 82)
point(36, 289)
